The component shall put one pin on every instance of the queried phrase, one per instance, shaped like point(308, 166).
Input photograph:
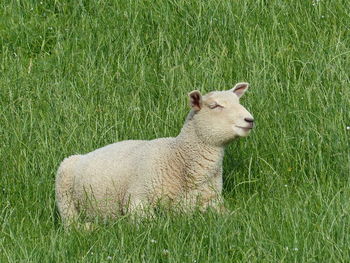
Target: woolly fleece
point(185, 171)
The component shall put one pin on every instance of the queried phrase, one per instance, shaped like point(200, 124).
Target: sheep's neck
point(199, 159)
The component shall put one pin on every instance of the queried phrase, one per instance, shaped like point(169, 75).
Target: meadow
point(77, 75)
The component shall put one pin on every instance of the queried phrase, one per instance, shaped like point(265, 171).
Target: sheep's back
point(120, 170)
point(106, 172)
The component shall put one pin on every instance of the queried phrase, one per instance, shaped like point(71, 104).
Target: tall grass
point(77, 75)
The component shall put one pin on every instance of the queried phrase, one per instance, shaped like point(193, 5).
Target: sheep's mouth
point(245, 128)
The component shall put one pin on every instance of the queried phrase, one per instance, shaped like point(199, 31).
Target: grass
point(77, 75)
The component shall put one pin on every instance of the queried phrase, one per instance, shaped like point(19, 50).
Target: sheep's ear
point(195, 100)
point(240, 88)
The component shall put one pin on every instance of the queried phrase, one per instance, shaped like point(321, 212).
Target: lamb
point(131, 176)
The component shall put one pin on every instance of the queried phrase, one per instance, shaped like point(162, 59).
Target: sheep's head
point(218, 117)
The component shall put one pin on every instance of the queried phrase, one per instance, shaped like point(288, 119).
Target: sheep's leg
point(209, 196)
point(216, 201)
point(64, 192)
point(217, 205)
point(137, 208)
point(205, 201)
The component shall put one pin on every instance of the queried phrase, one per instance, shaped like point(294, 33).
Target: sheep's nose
point(249, 120)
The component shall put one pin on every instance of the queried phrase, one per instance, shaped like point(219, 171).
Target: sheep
point(185, 171)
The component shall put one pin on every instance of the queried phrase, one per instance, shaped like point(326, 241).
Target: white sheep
point(130, 176)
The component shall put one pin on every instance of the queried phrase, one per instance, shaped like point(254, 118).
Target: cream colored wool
point(185, 171)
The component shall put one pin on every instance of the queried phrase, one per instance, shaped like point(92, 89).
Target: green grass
point(77, 75)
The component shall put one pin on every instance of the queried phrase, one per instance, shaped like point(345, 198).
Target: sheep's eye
point(214, 106)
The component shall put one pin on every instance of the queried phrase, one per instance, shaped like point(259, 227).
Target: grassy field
point(77, 75)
